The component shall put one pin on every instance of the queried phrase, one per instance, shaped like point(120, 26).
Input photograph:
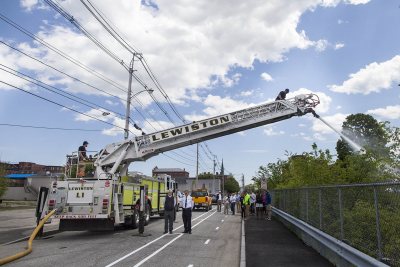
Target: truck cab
point(202, 199)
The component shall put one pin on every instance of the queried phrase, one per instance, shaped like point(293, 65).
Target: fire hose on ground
point(29, 249)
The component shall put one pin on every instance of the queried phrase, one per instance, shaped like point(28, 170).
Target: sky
point(209, 57)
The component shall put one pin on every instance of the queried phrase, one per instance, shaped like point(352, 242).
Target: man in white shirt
point(187, 206)
point(219, 201)
point(252, 203)
point(233, 203)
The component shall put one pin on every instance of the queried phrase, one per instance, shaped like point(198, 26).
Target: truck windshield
point(199, 194)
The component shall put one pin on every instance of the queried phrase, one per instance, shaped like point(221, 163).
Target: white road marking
point(158, 250)
point(190, 265)
point(208, 241)
point(170, 242)
point(222, 220)
point(142, 247)
point(217, 228)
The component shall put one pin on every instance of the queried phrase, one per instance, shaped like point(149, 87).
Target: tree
point(365, 131)
point(231, 185)
point(206, 175)
point(3, 181)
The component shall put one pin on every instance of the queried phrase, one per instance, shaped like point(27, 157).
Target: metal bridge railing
point(365, 216)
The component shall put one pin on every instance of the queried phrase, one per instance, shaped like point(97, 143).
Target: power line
point(178, 160)
point(52, 128)
point(76, 79)
point(56, 90)
point(61, 53)
point(58, 104)
point(104, 78)
point(59, 71)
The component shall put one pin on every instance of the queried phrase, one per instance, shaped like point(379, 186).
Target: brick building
point(174, 172)
point(30, 168)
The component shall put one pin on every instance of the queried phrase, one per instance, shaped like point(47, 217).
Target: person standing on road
point(233, 203)
point(219, 201)
point(243, 206)
point(169, 210)
point(226, 205)
point(252, 203)
point(187, 206)
point(238, 203)
point(269, 207)
point(177, 196)
point(246, 202)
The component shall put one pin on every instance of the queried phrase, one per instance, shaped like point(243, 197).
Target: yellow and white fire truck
point(105, 197)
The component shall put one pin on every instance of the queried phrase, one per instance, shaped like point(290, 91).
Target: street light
point(128, 103)
point(145, 90)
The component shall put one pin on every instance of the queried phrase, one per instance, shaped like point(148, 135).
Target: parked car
point(202, 199)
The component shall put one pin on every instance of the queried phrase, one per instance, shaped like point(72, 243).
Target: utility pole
point(223, 177)
point(214, 191)
point(242, 182)
point(197, 165)
point(128, 100)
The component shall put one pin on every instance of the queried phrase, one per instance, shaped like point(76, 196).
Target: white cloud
point(113, 131)
point(247, 93)
point(266, 77)
point(198, 50)
point(373, 78)
point(270, 131)
point(335, 121)
point(319, 137)
point(159, 125)
point(28, 4)
point(338, 107)
point(324, 99)
point(202, 47)
point(111, 103)
point(216, 105)
point(330, 3)
point(338, 46)
point(340, 21)
point(321, 45)
point(357, 2)
point(389, 112)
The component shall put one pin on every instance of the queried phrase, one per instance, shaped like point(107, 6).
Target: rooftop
point(168, 170)
point(19, 176)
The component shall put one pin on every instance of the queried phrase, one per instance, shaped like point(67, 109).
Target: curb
point(243, 247)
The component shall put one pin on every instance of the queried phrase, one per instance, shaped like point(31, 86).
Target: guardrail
point(331, 248)
point(363, 216)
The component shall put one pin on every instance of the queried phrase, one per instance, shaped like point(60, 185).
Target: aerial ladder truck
point(107, 199)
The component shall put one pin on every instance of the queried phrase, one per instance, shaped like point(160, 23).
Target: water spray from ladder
point(355, 146)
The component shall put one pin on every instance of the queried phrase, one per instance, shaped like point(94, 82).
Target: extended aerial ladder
point(143, 147)
point(108, 198)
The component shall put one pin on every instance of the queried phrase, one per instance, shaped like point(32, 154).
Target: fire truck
point(106, 197)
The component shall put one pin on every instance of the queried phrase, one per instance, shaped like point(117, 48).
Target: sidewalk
point(270, 243)
point(19, 223)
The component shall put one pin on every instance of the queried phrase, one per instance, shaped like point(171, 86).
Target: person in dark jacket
point(282, 94)
point(169, 209)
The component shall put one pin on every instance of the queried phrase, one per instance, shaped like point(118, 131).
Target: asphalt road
point(215, 241)
point(9, 231)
